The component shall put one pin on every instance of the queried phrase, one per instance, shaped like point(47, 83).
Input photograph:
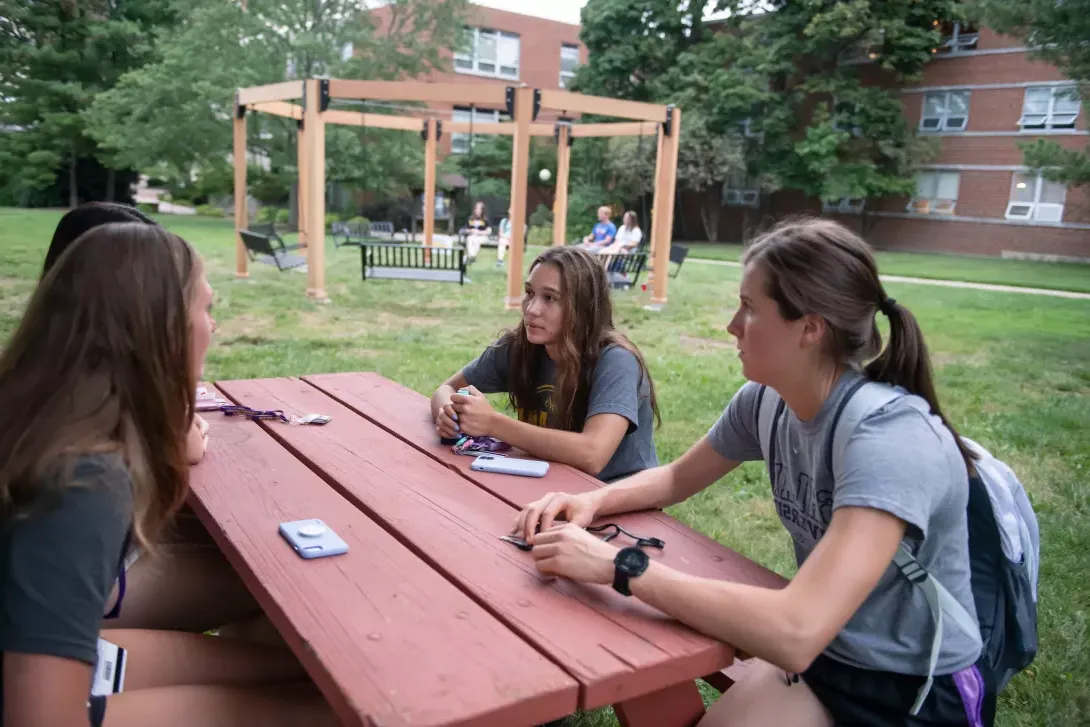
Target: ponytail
point(905, 362)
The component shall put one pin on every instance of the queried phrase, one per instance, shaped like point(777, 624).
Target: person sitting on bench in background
point(582, 390)
point(629, 236)
point(98, 386)
point(477, 232)
point(505, 238)
point(603, 233)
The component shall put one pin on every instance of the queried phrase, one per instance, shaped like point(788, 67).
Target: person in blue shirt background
point(603, 233)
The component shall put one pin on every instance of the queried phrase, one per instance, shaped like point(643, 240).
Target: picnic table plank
point(616, 647)
point(407, 414)
point(368, 623)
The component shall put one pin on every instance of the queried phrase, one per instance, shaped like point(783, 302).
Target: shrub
point(542, 236)
point(283, 216)
point(148, 209)
point(210, 210)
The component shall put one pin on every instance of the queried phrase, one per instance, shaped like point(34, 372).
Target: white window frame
point(1036, 211)
point(945, 121)
point(844, 205)
point(854, 130)
point(741, 197)
point(460, 142)
point(958, 41)
point(934, 205)
point(566, 76)
point(1051, 119)
point(469, 62)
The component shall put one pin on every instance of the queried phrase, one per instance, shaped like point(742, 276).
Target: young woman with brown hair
point(848, 641)
point(97, 386)
point(581, 389)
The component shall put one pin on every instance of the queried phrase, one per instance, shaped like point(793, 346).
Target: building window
point(741, 190)
point(569, 61)
point(1050, 107)
point(945, 111)
point(1035, 198)
point(488, 53)
point(460, 143)
point(936, 193)
point(846, 117)
point(844, 205)
point(958, 37)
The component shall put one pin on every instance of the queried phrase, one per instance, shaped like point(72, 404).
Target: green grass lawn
point(1013, 370)
point(968, 268)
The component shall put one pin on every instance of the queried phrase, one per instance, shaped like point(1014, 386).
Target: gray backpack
point(1004, 544)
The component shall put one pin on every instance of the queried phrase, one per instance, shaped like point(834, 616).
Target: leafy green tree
point(55, 56)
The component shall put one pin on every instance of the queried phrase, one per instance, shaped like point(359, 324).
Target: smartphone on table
point(312, 539)
point(510, 466)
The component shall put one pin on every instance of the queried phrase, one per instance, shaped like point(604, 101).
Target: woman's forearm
point(758, 621)
point(571, 448)
point(651, 489)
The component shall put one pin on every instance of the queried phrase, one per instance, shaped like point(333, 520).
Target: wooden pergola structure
point(523, 105)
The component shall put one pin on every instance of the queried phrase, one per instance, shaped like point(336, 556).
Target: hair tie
point(886, 306)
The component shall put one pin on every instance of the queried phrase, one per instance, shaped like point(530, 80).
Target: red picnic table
point(430, 619)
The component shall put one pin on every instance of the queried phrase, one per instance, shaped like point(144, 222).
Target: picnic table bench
point(430, 619)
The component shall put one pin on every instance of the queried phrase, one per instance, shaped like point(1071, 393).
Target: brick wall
point(991, 68)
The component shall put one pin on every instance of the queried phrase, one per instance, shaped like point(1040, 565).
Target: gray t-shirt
point(900, 459)
point(58, 564)
point(617, 387)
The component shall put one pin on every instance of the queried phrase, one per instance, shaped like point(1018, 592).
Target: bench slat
point(617, 648)
point(371, 622)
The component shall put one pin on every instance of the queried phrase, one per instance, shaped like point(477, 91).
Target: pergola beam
point(374, 121)
point(453, 93)
point(624, 128)
point(494, 128)
point(279, 108)
point(570, 103)
point(286, 91)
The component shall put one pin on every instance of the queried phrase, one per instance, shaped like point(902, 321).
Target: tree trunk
point(709, 215)
point(73, 191)
point(111, 180)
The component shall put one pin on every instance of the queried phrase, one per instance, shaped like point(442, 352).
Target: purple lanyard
point(116, 610)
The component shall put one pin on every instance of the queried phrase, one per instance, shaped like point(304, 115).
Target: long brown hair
point(101, 362)
point(819, 266)
point(587, 331)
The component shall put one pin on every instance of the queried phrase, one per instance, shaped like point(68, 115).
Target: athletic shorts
point(864, 698)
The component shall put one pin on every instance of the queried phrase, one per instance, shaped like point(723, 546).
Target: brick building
point(506, 49)
point(980, 97)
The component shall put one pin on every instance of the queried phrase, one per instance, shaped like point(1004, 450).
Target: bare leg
point(220, 706)
point(185, 588)
point(172, 658)
point(501, 248)
point(763, 698)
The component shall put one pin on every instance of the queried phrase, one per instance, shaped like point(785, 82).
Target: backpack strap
point(860, 401)
point(768, 420)
point(940, 602)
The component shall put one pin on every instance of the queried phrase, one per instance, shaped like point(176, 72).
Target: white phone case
point(510, 466)
point(313, 539)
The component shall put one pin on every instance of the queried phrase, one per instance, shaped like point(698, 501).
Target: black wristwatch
point(629, 563)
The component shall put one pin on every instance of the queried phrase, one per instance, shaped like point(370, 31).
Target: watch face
point(632, 561)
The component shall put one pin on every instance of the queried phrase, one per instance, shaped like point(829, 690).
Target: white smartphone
point(313, 539)
point(510, 466)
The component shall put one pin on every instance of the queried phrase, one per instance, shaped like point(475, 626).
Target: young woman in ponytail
point(848, 640)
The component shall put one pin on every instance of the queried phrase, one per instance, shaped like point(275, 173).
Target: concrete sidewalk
point(941, 283)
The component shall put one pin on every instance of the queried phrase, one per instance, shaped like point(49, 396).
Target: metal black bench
point(394, 261)
point(624, 269)
point(357, 233)
point(677, 255)
point(269, 248)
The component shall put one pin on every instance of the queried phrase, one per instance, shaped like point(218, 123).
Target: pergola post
point(520, 160)
point(563, 166)
point(241, 212)
point(314, 125)
point(431, 145)
point(303, 162)
point(664, 205)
